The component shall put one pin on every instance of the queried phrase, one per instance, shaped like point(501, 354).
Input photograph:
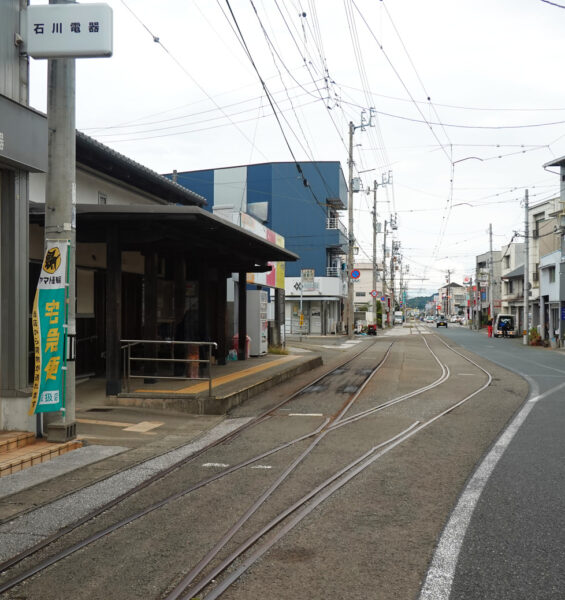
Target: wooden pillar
point(204, 305)
point(113, 310)
point(242, 316)
point(179, 289)
point(150, 309)
point(222, 320)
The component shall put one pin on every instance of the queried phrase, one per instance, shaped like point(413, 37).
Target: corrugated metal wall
point(9, 52)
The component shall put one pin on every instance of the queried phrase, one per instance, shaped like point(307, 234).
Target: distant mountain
point(419, 302)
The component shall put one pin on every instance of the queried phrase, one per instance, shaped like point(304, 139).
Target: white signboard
point(68, 30)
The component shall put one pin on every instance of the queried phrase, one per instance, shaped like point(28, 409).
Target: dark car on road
point(441, 320)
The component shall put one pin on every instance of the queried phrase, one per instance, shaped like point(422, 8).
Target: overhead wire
point(183, 69)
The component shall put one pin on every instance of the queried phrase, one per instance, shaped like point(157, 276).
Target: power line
point(181, 66)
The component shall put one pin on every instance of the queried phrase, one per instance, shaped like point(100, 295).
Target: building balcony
point(512, 297)
point(333, 272)
point(335, 223)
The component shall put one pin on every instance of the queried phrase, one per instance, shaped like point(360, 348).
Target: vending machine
point(257, 324)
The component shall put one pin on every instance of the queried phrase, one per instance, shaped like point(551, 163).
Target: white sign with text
point(68, 30)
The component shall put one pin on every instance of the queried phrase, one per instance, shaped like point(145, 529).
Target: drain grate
point(99, 410)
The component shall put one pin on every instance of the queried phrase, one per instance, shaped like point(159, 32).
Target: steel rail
point(353, 471)
point(443, 377)
point(274, 522)
point(338, 422)
point(228, 535)
point(228, 437)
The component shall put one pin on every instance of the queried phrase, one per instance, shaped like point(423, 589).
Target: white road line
point(220, 465)
point(144, 426)
point(439, 578)
point(261, 467)
point(305, 415)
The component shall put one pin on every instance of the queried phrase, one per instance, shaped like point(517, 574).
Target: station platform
point(231, 384)
point(146, 421)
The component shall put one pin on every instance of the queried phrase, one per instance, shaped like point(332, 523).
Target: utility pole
point(384, 272)
point(526, 270)
point(350, 254)
point(375, 250)
point(490, 276)
point(60, 214)
point(477, 319)
point(448, 312)
point(350, 309)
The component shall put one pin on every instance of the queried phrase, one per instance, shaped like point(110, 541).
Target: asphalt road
point(373, 538)
point(506, 537)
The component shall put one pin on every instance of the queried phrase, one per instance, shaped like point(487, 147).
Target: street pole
point(490, 276)
point(375, 251)
point(448, 293)
point(526, 271)
point(384, 273)
point(60, 214)
point(350, 255)
point(301, 317)
point(392, 257)
point(477, 319)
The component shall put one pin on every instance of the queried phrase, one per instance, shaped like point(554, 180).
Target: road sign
point(71, 30)
point(383, 298)
point(374, 293)
point(355, 274)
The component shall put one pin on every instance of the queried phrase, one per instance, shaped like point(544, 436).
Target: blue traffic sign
point(355, 274)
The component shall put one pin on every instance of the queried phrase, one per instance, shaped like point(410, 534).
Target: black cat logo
point(52, 260)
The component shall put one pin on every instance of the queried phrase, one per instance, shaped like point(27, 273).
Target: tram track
point(15, 560)
point(300, 509)
point(188, 588)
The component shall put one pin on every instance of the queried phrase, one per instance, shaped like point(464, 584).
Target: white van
point(398, 317)
point(504, 326)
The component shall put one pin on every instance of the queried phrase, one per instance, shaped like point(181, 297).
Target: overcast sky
point(468, 95)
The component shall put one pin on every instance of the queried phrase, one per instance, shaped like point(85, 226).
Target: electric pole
point(490, 275)
point(448, 312)
point(526, 271)
point(60, 214)
point(384, 273)
point(375, 251)
point(350, 309)
point(350, 254)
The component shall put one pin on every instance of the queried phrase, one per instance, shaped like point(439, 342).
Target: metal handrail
point(335, 223)
point(127, 345)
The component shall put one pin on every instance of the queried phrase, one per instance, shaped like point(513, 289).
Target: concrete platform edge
point(211, 405)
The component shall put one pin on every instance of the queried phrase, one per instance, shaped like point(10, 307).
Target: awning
point(187, 229)
point(519, 272)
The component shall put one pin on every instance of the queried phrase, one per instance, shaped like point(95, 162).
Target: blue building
point(301, 203)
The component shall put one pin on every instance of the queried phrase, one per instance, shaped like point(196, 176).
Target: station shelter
point(152, 264)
